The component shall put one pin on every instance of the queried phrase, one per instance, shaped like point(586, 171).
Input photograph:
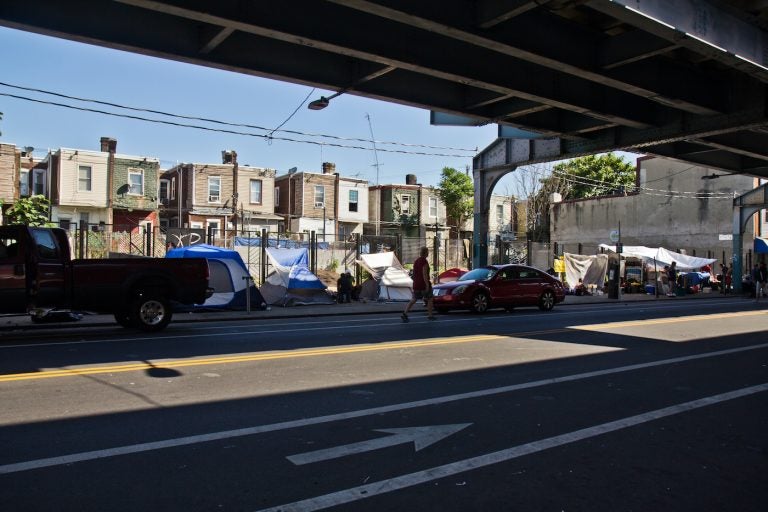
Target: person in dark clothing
point(761, 279)
point(672, 277)
point(344, 287)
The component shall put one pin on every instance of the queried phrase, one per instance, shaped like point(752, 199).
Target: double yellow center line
point(267, 356)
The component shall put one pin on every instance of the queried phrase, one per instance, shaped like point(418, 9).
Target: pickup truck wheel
point(151, 313)
point(123, 319)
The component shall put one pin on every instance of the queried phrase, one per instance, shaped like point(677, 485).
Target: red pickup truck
point(38, 274)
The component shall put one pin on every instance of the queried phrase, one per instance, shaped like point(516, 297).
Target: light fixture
point(324, 101)
point(319, 104)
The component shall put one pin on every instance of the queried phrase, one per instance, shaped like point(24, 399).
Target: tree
point(579, 178)
point(456, 191)
point(595, 175)
point(30, 211)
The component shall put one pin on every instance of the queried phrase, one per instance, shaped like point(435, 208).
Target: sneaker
point(404, 317)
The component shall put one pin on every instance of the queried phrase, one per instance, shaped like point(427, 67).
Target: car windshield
point(478, 274)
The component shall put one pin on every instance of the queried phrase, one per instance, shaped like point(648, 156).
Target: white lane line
point(260, 429)
point(393, 484)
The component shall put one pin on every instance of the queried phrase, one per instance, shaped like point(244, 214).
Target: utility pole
point(376, 165)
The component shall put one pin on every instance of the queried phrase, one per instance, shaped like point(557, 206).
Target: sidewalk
point(23, 322)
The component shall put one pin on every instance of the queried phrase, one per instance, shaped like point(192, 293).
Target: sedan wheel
point(480, 303)
point(547, 301)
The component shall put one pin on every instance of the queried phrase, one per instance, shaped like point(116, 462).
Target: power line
point(222, 130)
point(293, 113)
point(223, 123)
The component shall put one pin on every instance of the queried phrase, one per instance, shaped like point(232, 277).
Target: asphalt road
point(645, 406)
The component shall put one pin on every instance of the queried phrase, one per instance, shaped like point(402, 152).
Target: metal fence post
point(263, 258)
point(358, 248)
point(83, 231)
point(313, 252)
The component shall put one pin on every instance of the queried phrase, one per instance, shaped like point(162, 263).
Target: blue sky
point(123, 78)
point(85, 71)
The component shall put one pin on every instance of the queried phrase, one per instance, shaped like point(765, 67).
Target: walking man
point(422, 286)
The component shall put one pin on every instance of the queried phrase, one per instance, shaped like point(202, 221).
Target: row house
point(505, 219)
point(409, 209)
point(21, 175)
point(9, 174)
point(102, 188)
point(221, 196)
point(332, 206)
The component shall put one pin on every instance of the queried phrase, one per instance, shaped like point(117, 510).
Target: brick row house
point(103, 188)
point(409, 209)
point(215, 197)
point(332, 206)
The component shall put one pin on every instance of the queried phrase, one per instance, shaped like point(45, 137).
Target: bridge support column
point(485, 181)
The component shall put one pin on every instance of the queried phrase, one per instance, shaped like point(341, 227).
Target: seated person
point(580, 289)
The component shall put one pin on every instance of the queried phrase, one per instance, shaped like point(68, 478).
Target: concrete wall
point(668, 211)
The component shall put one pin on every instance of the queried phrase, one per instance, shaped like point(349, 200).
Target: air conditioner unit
point(164, 201)
point(319, 205)
point(214, 199)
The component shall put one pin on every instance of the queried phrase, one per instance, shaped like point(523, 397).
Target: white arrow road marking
point(361, 492)
point(421, 437)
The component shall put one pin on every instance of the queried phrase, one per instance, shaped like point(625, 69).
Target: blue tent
point(761, 245)
point(292, 282)
point(227, 276)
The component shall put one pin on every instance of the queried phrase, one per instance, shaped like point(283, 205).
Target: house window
point(213, 226)
point(83, 178)
point(433, 207)
point(214, 189)
point(277, 196)
point(136, 182)
point(255, 191)
point(500, 213)
point(65, 224)
point(319, 196)
point(38, 183)
point(405, 205)
point(24, 183)
point(353, 200)
point(164, 193)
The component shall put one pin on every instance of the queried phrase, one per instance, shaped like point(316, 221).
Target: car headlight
point(459, 290)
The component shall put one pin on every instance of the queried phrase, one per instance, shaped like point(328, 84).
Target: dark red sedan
point(500, 286)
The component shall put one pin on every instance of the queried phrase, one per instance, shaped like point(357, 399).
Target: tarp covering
point(590, 269)
point(227, 277)
point(292, 283)
point(452, 274)
point(285, 243)
point(761, 245)
point(393, 280)
point(661, 256)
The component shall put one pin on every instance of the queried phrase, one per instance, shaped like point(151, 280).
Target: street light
point(323, 102)
point(319, 104)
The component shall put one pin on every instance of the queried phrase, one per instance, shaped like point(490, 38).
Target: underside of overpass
point(683, 79)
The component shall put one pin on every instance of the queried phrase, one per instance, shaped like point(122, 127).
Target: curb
point(184, 317)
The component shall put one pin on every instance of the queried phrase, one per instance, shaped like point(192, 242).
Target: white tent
point(590, 269)
point(393, 280)
point(660, 256)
